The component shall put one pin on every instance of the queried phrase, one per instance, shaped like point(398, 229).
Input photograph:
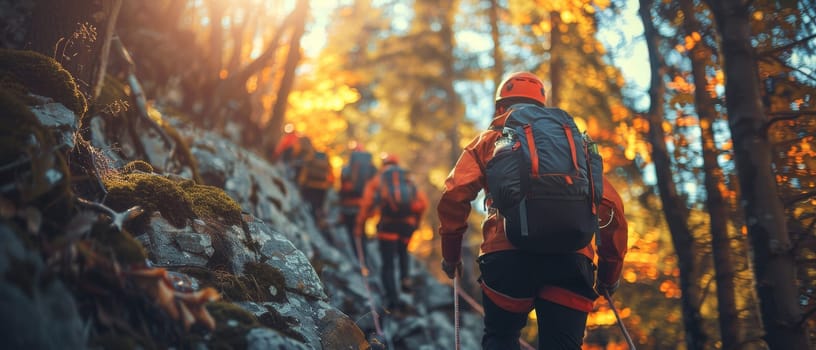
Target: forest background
point(703, 111)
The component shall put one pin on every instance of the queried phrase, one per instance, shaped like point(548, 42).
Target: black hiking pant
point(520, 275)
point(391, 249)
point(315, 197)
point(350, 223)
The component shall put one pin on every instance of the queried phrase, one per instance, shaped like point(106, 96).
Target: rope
point(620, 322)
point(364, 274)
point(456, 312)
point(475, 306)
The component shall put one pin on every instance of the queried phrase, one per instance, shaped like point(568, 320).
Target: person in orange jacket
point(394, 229)
point(561, 288)
point(293, 149)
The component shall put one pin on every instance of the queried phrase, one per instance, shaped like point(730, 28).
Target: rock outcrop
point(207, 247)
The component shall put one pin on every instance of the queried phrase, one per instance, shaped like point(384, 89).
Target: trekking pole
point(620, 322)
point(364, 274)
point(456, 311)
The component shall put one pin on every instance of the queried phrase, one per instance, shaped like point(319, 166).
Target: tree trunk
point(556, 62)
point(674, 207)
point(498, 59)
point(217, 9)
point(717, 209)
point(233, 87)
point(274, 128)
point(76, 36)
point(452, 101)
point(774, 263)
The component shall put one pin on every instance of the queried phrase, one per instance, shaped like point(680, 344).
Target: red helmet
point(388, 158)
point(522, 84)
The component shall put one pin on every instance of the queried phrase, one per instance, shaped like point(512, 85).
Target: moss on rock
point(152, 193)
point(213, 203)
point(41, 75)
point(137, 165)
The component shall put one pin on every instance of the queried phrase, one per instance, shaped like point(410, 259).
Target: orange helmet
point(522, 84)
point(388, 158)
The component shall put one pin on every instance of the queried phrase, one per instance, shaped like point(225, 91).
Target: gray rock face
point(170, 246)
point(56, 116)
point(297, 269)
point(38, 312)
point(267, 339)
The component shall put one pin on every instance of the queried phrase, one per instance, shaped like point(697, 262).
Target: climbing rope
point(475, 306)
point(364, 274)
point(456, 311)
point(620, 322)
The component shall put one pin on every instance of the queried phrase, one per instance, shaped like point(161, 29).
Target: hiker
point(557, 279)
point(401, 205)
point(353, 178)
point(314, 180)
point(293, 149)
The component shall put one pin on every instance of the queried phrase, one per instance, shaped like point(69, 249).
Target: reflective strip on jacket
point(463, 185)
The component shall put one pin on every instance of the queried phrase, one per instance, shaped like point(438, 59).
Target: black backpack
point(397, 193)
point(356, 173)
point(315, 172)
point(546, 179)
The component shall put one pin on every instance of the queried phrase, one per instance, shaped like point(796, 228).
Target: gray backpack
point(546, 180)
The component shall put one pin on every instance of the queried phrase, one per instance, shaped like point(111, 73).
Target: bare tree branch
point(786, 47)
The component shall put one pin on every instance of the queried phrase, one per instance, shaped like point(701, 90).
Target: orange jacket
point(368, 205)
point(288, 141)
point(463, 185)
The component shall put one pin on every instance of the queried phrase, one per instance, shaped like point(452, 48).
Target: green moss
point(137, 165)
point(213, 203)
point(265, 276)
point(232, 323)
point(121, 244)
point(152, 193)
point(43, 76)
